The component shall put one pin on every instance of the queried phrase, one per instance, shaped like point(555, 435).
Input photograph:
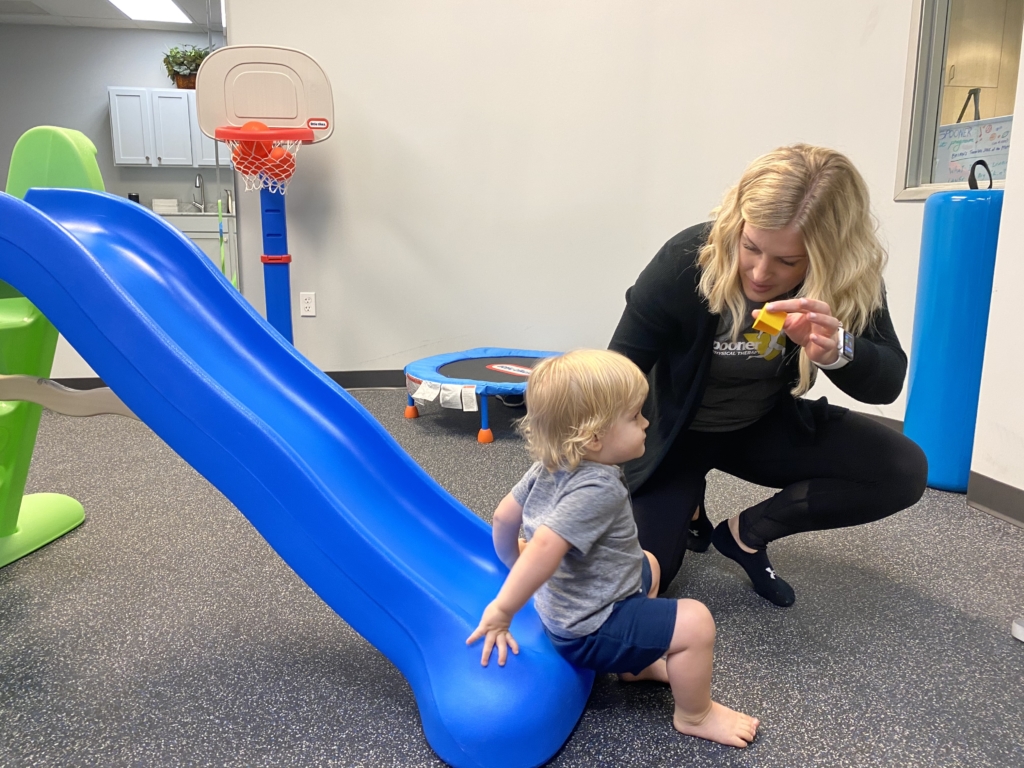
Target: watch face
point(847, 345)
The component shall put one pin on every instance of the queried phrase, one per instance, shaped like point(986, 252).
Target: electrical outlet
point(307, 304)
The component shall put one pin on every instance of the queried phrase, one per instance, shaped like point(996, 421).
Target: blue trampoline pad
point(491, 370)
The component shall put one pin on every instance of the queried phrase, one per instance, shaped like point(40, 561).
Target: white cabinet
point(158, 127)
point(171, 127)
point(131, 126)
point(203, 145)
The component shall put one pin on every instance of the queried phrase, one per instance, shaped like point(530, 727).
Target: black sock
point(766, 583)
point(698, 533)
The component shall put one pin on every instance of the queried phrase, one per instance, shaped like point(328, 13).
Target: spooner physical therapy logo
point(756, 345)
point(768, 346)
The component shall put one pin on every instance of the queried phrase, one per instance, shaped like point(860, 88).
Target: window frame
point(929, 35)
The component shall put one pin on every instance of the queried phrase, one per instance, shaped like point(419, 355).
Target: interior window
point(966, 81)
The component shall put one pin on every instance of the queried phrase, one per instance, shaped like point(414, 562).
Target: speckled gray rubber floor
point(165, 632)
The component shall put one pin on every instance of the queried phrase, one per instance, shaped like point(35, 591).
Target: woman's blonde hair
point(574, 398)
point(820, 192)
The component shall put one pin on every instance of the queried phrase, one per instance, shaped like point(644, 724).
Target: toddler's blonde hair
point(575, 397)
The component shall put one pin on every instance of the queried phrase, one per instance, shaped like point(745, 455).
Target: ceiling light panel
point(152, 10)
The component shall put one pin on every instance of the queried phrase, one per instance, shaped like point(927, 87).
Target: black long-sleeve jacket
point(668, 331)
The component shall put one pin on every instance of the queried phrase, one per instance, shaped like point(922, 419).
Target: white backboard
point(281, 87)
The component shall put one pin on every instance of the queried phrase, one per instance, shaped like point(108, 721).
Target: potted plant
point(183, 63)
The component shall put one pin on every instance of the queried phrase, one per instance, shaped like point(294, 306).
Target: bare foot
point(658, 671)
point(721, 724)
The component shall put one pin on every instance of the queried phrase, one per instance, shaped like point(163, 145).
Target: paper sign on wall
point(959, 145)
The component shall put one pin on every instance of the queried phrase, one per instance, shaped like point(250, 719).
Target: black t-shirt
point(744, 379)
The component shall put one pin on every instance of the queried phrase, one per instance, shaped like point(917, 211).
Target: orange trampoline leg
point(411, 411)
point(484, 435)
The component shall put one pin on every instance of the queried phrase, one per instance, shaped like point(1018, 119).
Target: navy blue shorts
point(636, 634)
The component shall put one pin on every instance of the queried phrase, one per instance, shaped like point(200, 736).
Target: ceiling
point(100, 13)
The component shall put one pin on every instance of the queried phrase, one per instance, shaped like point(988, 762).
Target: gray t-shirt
point(589, 508)
point(745, 378)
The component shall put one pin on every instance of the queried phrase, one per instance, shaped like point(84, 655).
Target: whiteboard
point(959, 145)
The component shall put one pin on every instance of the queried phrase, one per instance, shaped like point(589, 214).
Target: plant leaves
point(184, 60)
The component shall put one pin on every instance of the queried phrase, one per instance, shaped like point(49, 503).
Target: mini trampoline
point(464, 380)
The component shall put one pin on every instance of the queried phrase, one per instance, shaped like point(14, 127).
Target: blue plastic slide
point(404, 563)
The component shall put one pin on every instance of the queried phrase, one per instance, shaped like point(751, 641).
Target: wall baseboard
point(368, 379)
point(392, 379)
point(346, 379)
point(998, 499)
point(90, 383)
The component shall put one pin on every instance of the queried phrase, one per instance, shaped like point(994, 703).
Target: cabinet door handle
point(952, 72)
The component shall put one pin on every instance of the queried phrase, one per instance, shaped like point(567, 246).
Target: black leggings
point(850, 470)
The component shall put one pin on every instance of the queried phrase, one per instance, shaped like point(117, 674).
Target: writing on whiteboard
point(960, 145)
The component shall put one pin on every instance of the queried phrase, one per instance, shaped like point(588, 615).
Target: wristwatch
point(844, 339)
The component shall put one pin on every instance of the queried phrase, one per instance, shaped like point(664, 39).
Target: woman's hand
point(494, 628)
point(811, 325)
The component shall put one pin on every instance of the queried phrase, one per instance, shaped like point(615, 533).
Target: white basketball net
point(264, 164)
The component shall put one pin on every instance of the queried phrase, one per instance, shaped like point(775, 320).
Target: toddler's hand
point(494, 628)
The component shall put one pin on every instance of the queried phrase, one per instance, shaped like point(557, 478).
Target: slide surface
point(404, 563)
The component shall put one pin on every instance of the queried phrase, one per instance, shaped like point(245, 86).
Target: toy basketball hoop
point(265, 157)
point(264, 102)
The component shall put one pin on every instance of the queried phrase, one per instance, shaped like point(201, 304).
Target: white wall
point(59, 76)
point(999, 436)
point(500, 173)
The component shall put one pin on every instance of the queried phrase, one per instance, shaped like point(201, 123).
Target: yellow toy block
point(769, 322)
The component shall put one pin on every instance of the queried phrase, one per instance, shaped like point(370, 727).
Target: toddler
point(595, 587)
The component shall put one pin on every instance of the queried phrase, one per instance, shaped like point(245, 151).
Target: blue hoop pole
point(276, 282)
point(483, 413)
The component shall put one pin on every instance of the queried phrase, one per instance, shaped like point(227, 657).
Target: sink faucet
point(201, 205)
